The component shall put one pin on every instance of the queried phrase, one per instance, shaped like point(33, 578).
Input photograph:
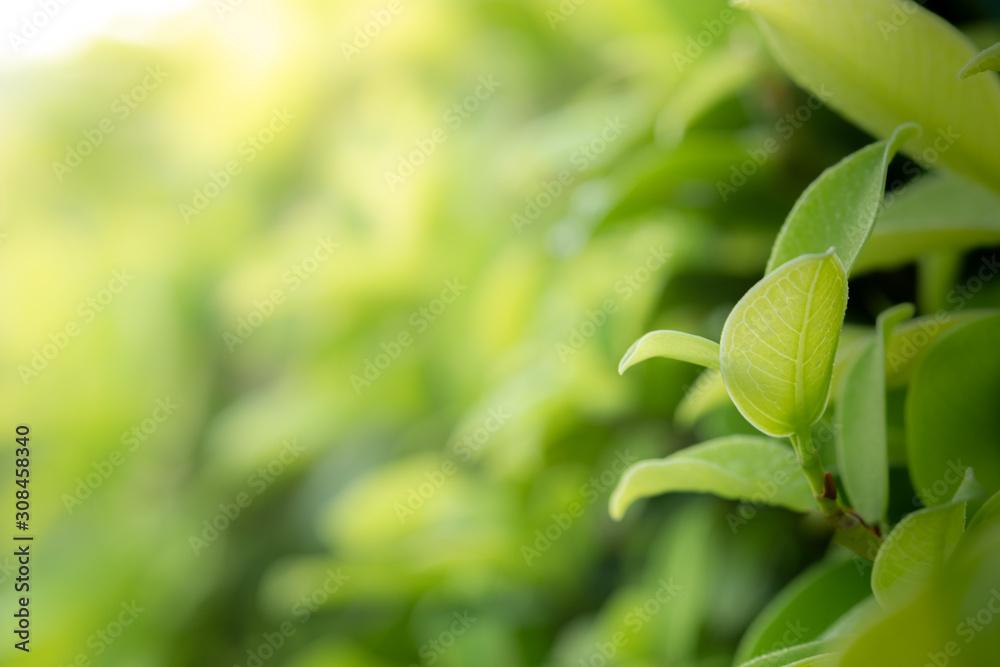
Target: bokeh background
point(314, 310)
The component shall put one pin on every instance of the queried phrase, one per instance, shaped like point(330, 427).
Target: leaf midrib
point(800, 390)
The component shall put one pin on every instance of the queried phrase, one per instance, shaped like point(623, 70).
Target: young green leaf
point(862, 452)
point(838, 209)
point(935, 213)
point(882, 63)
point(736, 467)
point(968, 489)
point(672, 345)
point(709, 391)
point(935, 627)
point(779, 341)
point(909, 343)
point(952, 419)
point(809, 605)
point(916, 547)
point(984, 61)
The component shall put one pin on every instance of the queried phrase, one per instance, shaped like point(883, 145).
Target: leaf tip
point(903, 134)
point(616, 507)
point(626, 361)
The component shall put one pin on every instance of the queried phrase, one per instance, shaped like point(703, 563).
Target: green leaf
point(911, 341)
point(937, 274)
point(914, 550)
point(736, 467)
point(937, 626)
point(838, 209)
point(969, 489)
point(862, 450)
point(882, 63)
point(779, 341)
point(985, 61)
point(805, 608)
point(811, 654)
point(952, 419)
point(932, 214)
point(672, 345)
point(987, 515)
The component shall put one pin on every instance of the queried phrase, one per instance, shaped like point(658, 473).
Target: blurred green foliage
point(470, 472)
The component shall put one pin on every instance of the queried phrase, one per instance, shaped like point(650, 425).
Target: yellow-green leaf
point(672, 345)
point(838, 209)
point(936, 213)
point(888, 62)
point(985, 61)
point(736, 467)
point(862, 439)
point(779, 341)
point(914, 550)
